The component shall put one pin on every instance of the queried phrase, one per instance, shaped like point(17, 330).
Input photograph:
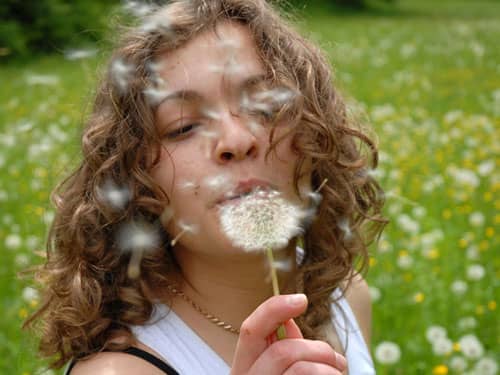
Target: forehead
point(225, 53)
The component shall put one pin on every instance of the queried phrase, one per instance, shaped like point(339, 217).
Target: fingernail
point(340, 361)
point(296, 299)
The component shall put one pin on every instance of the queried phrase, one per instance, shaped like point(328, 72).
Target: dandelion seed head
point(471, 347)
point(137, 236)
point(260, 220)
point(114, 195)
point(387, 352)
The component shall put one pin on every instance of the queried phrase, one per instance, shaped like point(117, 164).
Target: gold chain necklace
point(215, 320)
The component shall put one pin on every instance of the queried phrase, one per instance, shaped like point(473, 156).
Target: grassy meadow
point(427, 78)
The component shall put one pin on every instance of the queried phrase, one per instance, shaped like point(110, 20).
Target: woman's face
point(214, 135)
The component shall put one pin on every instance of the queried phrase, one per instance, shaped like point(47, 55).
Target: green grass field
point(428, 79)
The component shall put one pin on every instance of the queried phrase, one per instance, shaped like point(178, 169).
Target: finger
point(263, 322)
point(284, 353)
point(304, 367)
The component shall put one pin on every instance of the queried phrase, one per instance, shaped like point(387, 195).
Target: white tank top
point(168, 335)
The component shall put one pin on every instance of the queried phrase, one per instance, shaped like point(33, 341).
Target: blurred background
point(426, 76)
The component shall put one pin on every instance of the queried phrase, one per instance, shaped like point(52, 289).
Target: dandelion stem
point(321, 186)
point(281, 331)
point(134, 270)
point(174, 241)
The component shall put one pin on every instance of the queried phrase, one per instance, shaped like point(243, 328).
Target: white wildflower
point(486, 167)
point(486, 366)
point(472, 252)
point(32, 242)
point(387, 353)
point(40, 79)
point(375, 293)
point(464, 177)
point(459, 287)
point(405, 261)
point(22, 260)
point(453, 116)
point(30, 294)
point(13, 241)
point(467, 323)
point(442, 346)
point(476, 219)
point(475, 272)
point(419, 211)
point(471, 347)
point(458, 363)
point(382, 112)
point(260, 220)
point(407, 224)
point(434, 333)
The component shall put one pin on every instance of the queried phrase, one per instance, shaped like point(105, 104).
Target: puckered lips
point(243, 188)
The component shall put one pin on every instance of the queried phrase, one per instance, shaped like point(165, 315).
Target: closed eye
point(182, 131)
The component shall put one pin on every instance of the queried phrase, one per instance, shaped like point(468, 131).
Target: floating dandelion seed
point(121, 73)
point(185, 228)
point(138, 8)
point(343, 224)
point(217, 182)
point(114, 195)
point(137, 238)
point(155, 96)
point(188, 185)
point(212, 114)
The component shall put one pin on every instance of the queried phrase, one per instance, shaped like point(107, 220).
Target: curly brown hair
point(88, 298)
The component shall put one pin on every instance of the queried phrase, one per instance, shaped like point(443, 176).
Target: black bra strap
point(155, 361)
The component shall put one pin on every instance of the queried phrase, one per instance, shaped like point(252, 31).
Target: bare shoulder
point(358, 297)
point(114, 363)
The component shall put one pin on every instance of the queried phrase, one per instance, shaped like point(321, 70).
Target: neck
point(231, 287)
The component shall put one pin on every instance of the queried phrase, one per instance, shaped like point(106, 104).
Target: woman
point(209, 105)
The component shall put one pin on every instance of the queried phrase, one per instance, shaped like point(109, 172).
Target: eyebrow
point(192, 95)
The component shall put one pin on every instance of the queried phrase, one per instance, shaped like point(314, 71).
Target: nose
point(235, 141)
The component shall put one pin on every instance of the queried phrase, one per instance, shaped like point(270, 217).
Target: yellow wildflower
point(490, 232)
point(492, 305)
point(440, 370)
point(419, 297)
